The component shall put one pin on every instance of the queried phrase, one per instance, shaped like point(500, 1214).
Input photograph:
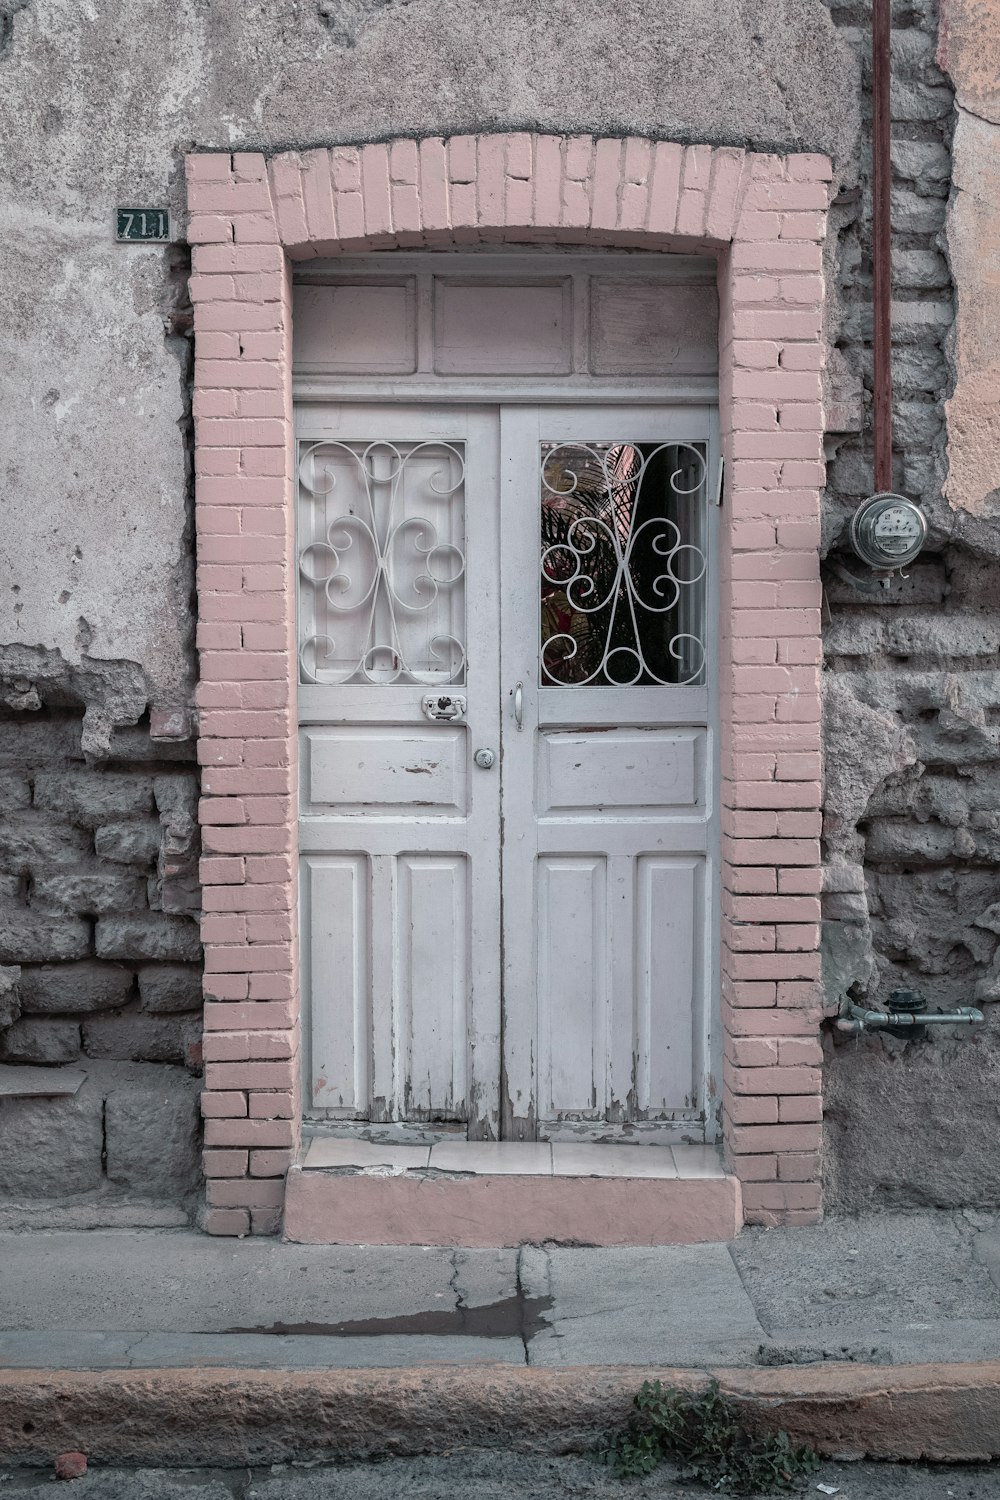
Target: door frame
point(763, 216)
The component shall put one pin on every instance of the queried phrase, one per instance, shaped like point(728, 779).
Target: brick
point(227, 1221)
point(274, 1106)
point(261, 1133)
point(231, 1163)
point(266, 1017)
point(800, 1109)
point(269, 1163)
point(250, 1075)
point(223, 1106)
point(773, 1080)
point(245, 1192)
point(752, 1138)
point(779, 1196)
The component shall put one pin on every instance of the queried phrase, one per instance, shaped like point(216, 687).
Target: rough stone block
point(34, 1041)
point(170, 987)
point(129, 843)
point(137, 1038)
point(32, 937)
point(152, 1129)
point(30, 840)
point(92, 893)
point(91, 798)
point(52, 1147)
point(15, 791)
point(923, 162)
point(10, 995)
point(150, 936)
point(72, 988)
point(177, 794)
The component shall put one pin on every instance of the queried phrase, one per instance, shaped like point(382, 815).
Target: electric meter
point(888, 531)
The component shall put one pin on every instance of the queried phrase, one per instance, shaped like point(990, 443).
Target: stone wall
point(912, 823)
point(99, 968)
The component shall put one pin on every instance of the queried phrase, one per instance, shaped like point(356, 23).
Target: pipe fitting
point(858, 1019)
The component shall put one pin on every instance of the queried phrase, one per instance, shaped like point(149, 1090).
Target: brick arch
point(763, 215)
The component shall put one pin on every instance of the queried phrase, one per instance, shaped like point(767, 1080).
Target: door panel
point(398, 602)
point(607, 669)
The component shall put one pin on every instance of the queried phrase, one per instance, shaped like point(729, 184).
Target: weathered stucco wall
point(98, 105)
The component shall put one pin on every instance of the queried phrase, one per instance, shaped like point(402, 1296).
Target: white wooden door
point(535, 583)
point(398, 831)
point(607, 666)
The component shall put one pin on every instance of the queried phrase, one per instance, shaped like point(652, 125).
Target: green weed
point(704, 1435)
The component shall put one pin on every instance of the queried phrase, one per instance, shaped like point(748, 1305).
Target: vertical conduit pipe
point(882, 242)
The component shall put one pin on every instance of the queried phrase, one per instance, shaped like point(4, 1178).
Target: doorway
point(507, 789)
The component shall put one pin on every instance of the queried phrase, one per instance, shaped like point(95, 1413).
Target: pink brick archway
point(764, 216)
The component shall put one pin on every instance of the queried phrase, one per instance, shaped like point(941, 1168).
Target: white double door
point(507, 796)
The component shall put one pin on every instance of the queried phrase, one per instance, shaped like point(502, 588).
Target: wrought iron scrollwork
point(622, 579)
point(381, 567)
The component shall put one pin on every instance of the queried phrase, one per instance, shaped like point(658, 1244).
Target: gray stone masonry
point(912, 818)
point(99, 966)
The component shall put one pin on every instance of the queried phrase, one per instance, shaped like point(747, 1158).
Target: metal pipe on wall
point(882, 241)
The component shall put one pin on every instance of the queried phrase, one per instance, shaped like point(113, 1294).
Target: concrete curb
point(216, 1416)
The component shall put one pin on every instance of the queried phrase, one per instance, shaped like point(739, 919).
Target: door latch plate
point(443, 707)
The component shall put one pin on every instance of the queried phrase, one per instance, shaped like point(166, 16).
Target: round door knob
point(484, 759)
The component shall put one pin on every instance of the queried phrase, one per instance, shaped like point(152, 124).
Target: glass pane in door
point(623, 564)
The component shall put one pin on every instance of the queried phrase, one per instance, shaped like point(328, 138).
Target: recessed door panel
point(639, 771)
point(373, 768)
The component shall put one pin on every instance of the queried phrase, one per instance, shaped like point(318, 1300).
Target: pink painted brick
point(209, 166)
point(250, 1075)
point(225, 1163)
point(273, 985)
point(257, 1133)
point(433, 184)
point(258, 958)
point(272, 1106)
point(606, 184)
point(227, 1221)
point(547, 180)
point(225, 986)
point(248, 898)
point(490, 179)
point(221, 1106)
point(262, 1193)
point(664, 193)
point(799, 1109)
point(462, 158)
point(748, 1139)
point(772, 1080)
point(270, 1017)
point(728, 169)
point(752, 1111)
point(269, 1163)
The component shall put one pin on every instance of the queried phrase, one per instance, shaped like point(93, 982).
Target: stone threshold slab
point(515, 1158)
point(506, 1209)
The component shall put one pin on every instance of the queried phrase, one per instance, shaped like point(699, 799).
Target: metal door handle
point(519, 706)
point(484, 758)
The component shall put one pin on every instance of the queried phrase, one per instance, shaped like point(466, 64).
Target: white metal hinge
point(719, 480)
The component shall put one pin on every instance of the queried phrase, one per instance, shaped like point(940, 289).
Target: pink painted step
point(474, 1196)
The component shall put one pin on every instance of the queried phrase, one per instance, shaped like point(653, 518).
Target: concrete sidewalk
point(893, 1289)
point(878, 1336)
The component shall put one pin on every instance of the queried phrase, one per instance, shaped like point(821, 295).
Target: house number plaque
point(147, 225)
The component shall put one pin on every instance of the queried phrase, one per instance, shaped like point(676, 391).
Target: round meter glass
point(897, 528)
point(888, 531)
